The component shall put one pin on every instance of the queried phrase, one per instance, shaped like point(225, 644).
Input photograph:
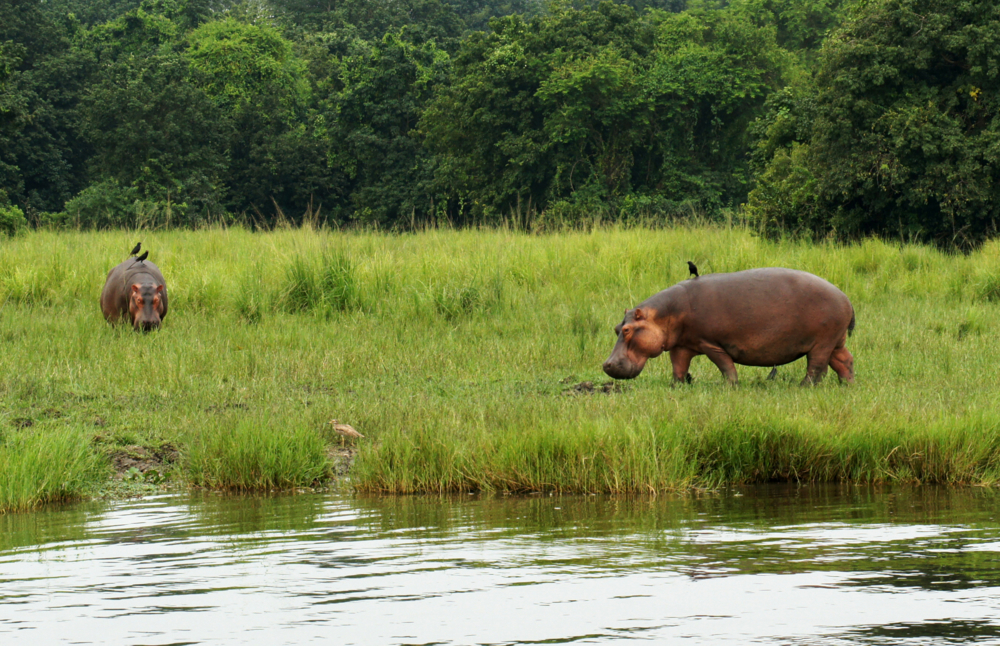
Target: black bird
point(145, 254)
point(136, 248)
point(693, 269)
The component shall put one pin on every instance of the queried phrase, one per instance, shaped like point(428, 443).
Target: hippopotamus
point(758, 317)
point(137, 289)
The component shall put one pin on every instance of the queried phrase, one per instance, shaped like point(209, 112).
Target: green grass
point(451, 352)
point(256, 455)
point(37, 468)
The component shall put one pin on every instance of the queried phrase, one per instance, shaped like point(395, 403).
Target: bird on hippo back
point(135, 292)
point(758, 317)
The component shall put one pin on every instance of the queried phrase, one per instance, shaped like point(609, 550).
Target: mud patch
point(143, 459)
point(341, 457)
point(218, 408)
point(588, 388)
point(22, 422)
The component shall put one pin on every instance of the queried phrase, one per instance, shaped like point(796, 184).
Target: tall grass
point(451, 352)
point(256, 455)
point(36, 468)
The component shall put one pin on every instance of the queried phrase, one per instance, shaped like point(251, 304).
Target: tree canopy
point(817, 117)
point(898, 134)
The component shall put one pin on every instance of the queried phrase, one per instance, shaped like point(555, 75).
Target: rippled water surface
point(767, 565)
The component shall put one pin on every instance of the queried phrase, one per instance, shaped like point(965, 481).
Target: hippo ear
point(136, 287)
point(638, 316)
point(159, 289)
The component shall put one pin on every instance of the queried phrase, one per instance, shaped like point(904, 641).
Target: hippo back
point(765, 316)
point(115, 295)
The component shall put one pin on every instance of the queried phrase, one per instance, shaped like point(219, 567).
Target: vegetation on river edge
point(455, 353)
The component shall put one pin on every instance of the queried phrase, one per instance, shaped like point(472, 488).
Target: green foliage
point(103, 205)
point(473, 298)
point(8, 62)
point(339, 283)
point(153, 25)
point(256, 455)
point(477, 392)
point(12, 221)
point(251, 299)
point(823, 117)
point(41, 154)
point(591, 106)
point(419, 20)
point(329, 287)
point(900, 129)
point(376, 93)
point(158, 138)
point(37, 468)
point(259, 84)
point(477, 13)
point(245, 66)
point(801, 24)
point(90, 12)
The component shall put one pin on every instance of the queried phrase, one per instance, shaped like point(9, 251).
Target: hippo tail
point(850, 326)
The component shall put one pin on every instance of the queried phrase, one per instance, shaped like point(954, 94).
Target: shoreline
point(471, 361)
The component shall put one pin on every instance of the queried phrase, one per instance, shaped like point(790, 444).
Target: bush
point(104, 205)
point(331, 287)
point(12, 220)
point(786, 195)
point(37, 468)
point(257, 454)
point(338, 283)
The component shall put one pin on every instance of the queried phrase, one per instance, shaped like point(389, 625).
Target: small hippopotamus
point(758, 317)
point(136, 289)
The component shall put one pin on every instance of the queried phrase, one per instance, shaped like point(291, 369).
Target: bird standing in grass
point(344, 431)
point(136, 249)
point(145, 254)
point(693, 269)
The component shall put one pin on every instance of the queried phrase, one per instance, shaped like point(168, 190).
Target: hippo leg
point(680, 359)
point(818, 362)
point(842, 363)
point(725, 364)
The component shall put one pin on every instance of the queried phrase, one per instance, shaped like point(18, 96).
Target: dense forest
point(813, 117)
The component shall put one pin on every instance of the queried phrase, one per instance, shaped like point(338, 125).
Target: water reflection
point(771, 564)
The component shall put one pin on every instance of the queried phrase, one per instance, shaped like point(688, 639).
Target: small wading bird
point(344, 431)
point(145, 254)
point(136, 248)
point(693, 269)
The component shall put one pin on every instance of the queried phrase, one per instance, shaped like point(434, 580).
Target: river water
point(765, 565)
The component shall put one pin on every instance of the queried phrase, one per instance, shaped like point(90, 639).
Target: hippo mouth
point(623, 367)
point(146, 326)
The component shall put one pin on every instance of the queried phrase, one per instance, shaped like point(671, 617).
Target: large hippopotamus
point(135, 288)
point(757, 317)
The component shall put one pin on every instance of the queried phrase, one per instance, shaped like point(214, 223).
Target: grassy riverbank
point(453, 352)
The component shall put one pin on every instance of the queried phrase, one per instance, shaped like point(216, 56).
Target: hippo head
point(639, 339)
point(145, 305)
